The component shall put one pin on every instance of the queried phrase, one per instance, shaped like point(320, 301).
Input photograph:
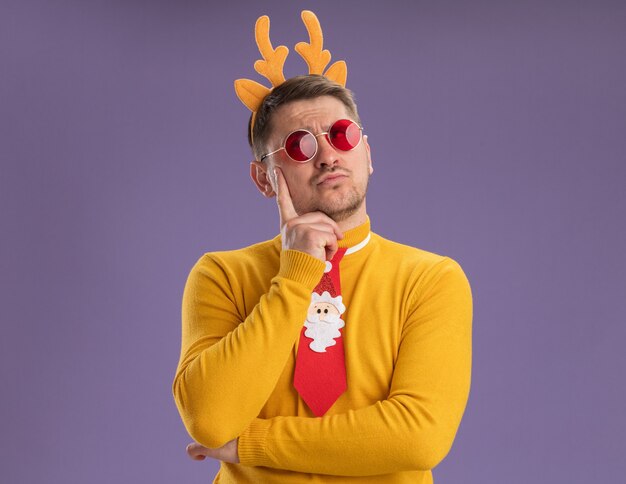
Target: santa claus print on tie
point(324, 321)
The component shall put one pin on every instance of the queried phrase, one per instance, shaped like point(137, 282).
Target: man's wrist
point(252, 442)
point(300, 267)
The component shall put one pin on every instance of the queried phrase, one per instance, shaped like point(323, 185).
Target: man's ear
point(369, 154)
point(260, 177)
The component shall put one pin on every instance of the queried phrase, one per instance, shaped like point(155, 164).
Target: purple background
point(497, 130)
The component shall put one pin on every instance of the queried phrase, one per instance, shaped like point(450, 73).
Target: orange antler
point(272, 66)
point(252, 93)
point(312, 53)
point(316, 58)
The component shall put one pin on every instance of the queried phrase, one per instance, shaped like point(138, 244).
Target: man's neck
point(354, 220)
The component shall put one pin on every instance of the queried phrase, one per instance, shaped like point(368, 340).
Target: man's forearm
point(228, 368)
point(390, 436)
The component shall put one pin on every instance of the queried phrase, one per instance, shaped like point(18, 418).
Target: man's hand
point(226, 453)
point(314, 233)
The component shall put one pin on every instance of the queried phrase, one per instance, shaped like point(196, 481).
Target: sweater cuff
point(301, 267)
point(251, 444)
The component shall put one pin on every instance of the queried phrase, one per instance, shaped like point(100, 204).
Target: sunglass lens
point(301, 145)
point(344, 135)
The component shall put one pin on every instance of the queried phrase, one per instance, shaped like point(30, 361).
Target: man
point(263, 323)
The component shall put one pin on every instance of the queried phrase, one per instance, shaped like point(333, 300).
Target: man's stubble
point(343, 208)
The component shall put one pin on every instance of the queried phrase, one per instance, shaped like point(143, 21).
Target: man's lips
point(331, 177)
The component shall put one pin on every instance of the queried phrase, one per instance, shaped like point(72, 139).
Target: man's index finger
point(286, 210)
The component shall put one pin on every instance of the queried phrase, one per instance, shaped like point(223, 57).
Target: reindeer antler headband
point(251, 93)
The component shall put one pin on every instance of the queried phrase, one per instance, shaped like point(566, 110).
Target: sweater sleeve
point(413, 429)
point(224, 375)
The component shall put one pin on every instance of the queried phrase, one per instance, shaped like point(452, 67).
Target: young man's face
point(334, 181)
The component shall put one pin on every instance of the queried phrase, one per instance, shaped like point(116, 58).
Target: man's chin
point(339, 214)
point(340, 210)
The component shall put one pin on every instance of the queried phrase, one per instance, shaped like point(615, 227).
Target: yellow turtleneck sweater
point(408, 360)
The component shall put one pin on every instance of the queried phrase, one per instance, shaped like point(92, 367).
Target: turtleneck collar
point(356, 238)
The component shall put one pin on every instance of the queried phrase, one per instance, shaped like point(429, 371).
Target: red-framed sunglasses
point(301, 145)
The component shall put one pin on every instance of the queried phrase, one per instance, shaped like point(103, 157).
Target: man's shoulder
point(408, 252)
point(416, 260)
point(252, 254)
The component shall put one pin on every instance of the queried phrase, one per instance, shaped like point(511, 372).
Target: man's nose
point(326, 153)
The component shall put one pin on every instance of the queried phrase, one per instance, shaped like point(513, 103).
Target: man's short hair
point(295, 89)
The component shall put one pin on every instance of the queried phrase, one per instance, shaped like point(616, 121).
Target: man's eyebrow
point(310, 128)
point(307, 127)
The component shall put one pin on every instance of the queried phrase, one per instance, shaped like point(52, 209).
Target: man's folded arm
point(413, 429)
point(225, 373)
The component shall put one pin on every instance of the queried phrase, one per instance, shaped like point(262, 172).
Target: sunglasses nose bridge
point(325, 134)
point(325, 155)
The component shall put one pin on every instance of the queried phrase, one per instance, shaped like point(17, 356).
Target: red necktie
point(320, 374)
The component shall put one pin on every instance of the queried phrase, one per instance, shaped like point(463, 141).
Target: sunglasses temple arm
point(271, 153)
